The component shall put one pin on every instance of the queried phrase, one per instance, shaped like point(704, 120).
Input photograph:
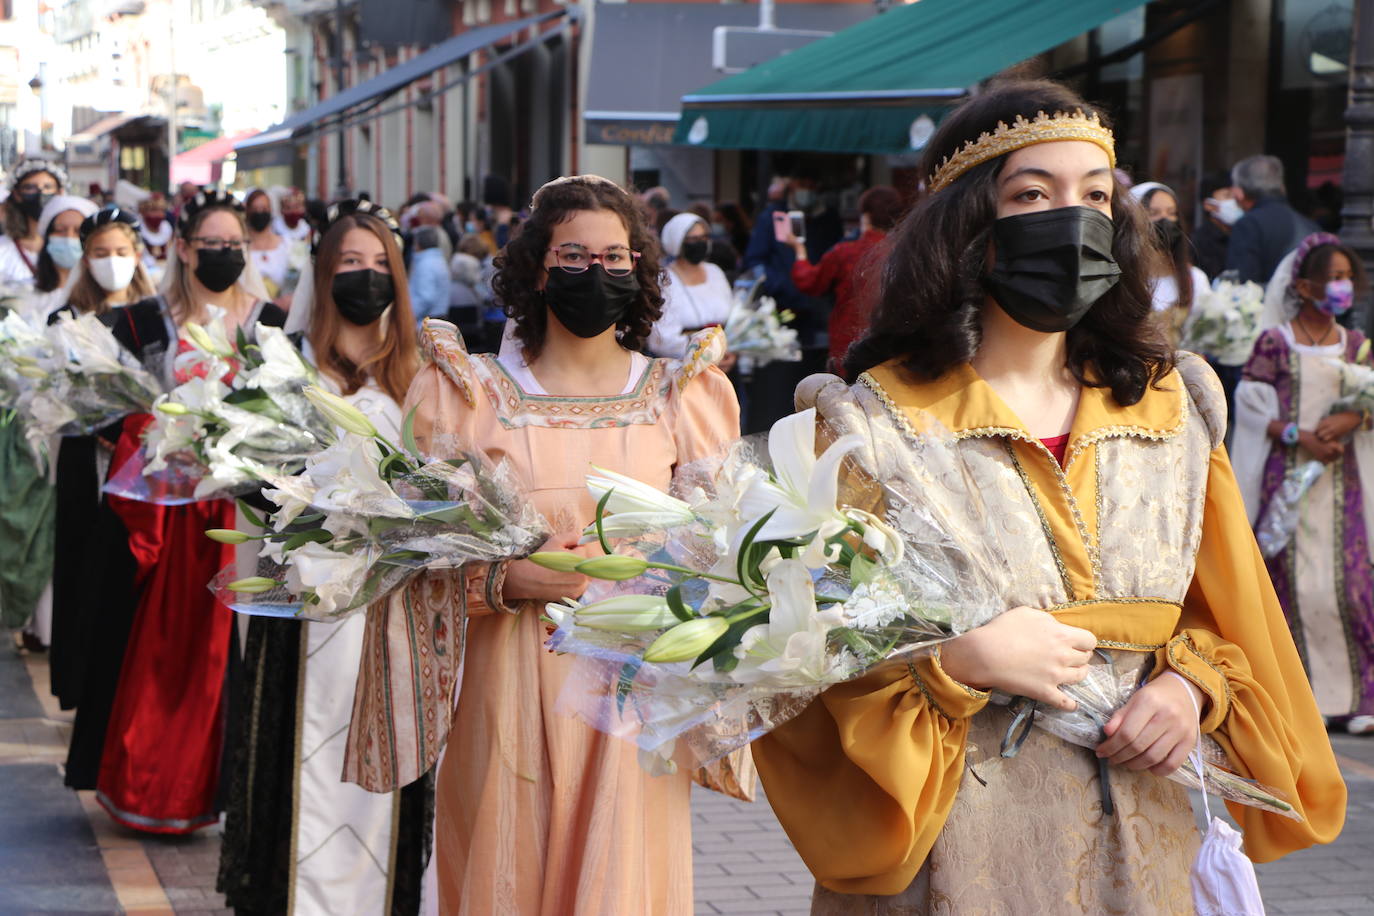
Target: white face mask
point(112, 273)
point(1228, 210)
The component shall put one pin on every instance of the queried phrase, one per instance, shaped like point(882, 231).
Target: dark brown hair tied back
point(928, 307)
point(520, 265)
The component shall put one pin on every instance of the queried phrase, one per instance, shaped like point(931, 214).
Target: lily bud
point(626, 613)
point(253, 585)
point(557, 560)
point(227, 535)
point(339, 412)
point(173, 408)
point(686, 640)
point(1362, 353)
point(613, 567)
point(202, 339)
point(31, 372)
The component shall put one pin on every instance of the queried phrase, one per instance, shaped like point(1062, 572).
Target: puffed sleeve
point(708, 418)
point(1234, 644)
point(864, 779)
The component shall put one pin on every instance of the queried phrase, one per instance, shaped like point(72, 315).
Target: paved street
point(60, 853)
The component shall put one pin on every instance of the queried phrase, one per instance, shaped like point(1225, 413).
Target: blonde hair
point(176, 283)
point(89, 296)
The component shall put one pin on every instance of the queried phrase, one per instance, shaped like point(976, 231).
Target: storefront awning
point(198, 164)
point(667, 48)
point(276, 145)
point(880, 86)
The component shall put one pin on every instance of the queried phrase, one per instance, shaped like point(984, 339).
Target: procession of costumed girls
point(414, 756)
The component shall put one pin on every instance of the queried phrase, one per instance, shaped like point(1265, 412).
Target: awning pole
point(341, 187)
point(767, 19)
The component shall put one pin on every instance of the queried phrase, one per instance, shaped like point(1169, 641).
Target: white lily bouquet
point(365, 516)
point(82, 380)
point(241, 415)
point(1225, 321)
point(733, 602)
point(24, 350)
point(759, 331)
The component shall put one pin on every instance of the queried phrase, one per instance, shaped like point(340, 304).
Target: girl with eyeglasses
point(160, 769)
point(536, 811)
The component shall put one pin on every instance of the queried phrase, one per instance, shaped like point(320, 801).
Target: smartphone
point(788, 226)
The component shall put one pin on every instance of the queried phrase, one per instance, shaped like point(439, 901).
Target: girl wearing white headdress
point(696, 294)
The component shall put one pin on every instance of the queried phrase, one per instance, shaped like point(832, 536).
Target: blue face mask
point(65, 252)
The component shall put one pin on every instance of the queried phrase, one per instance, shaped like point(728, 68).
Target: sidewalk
point(59, 852)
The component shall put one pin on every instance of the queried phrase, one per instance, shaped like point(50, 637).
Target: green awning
point(880, 86)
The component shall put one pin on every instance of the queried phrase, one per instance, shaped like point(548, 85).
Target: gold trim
point(1122, 431)
point(1130, 600)
point(925, 692)
point(1022, 133)
point(1130, 646)
point(1044, 520)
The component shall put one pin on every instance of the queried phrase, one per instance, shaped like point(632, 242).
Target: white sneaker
point(1360, 725)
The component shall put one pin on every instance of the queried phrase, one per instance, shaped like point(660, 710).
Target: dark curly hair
point(520, 265)
point(931, 293)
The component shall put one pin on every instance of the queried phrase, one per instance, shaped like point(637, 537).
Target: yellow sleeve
point(864, 778)
point(1234, 644)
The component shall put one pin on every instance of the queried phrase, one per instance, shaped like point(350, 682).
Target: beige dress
point(537, 813)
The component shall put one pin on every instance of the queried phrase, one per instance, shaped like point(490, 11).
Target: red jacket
point(848, 270)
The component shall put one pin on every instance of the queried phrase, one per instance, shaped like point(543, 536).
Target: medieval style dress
point(1324, 579)
point(160, 766)
point(297, 839)
point(892, 787)
point(537, 813)
point(94, 590)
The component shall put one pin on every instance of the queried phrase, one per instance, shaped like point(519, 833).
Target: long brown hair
point(89, 296)
point(929, 307)
point(176, 282)
point(520, 265)
point(396, 361)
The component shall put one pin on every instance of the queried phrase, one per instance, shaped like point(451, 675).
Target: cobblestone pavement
point(59, 853)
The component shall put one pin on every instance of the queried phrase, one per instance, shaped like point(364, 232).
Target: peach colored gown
point(537, 813)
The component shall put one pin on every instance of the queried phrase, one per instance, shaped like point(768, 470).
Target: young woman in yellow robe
point(1015, 315)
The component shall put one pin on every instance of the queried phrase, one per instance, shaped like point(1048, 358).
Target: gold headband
point(1022, 133)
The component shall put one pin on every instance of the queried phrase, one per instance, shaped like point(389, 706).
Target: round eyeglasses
point(617, 260)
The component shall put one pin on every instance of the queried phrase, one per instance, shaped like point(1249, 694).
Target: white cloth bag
point(1223, 877)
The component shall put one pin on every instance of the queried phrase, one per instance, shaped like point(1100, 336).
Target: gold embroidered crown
point(1022, 133)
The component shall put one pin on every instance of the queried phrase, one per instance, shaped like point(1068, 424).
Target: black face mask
point(1051, 266)
point(31, 203)
point(694, 251)
point(259, 220)
point(1168, 232)
point(589, 302)
point(362, 295)
point(217, 269)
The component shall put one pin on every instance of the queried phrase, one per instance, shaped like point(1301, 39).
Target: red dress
point(160, 768)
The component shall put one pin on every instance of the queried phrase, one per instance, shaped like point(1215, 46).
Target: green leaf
point(741, 566)
point(861, 570)
point(312, 536)
point(677, 605)
point(408, 432)
point(241, 340)
point(600, 511)
point(727, 641)
point(384, 469)
point(250, 515)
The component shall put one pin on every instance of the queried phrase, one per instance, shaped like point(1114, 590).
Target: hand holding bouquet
point(758, 585)
point(241, 414)
point(365, 516)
